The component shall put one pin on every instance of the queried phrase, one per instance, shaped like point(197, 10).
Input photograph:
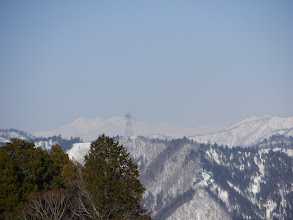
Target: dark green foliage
point(111, 177)
point(57, 160)
point(22, 171)
point(25, 169)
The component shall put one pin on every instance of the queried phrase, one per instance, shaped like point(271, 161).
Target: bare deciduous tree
point(54, 204)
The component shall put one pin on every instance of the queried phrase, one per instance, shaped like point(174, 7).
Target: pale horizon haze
point(175, 65)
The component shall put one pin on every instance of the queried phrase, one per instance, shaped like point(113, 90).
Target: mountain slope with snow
point(187, 180)
point(249, 131)
point(252, 183)
point(78, 151)
point(7, 134)
point(167, 170)
point(45, 143)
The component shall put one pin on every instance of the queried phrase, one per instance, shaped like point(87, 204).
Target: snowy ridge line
point(249, 131)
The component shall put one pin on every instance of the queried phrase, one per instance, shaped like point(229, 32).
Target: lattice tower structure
point(128, 125)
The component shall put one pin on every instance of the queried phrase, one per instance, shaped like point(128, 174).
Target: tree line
point(36, 184)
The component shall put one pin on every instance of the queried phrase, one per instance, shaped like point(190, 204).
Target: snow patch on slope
point(143, 149)
point(45, 144)
point(78, 151)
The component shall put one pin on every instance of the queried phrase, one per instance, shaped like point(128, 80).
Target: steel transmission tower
point(128, 125)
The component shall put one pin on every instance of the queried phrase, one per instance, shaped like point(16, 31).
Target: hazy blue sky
point(186, 63)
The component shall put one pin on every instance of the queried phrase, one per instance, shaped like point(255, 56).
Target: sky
point(188, 64)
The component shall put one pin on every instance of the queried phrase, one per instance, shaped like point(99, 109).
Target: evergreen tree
point(111, 177)
point(25, 169)
point(58, 159)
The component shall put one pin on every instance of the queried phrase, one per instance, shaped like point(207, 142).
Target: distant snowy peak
point(249, 131)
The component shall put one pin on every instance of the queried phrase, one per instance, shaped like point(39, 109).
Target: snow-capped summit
point(249, 131)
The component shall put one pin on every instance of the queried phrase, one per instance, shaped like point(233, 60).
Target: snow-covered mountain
point(252, 183)
point(165, 171)
point(249, 131)
point(90, 128)
point(87, 129)
point(7, 134)
point(148, 149)
point(244, 133)
point(46, 143)
point(188, 180)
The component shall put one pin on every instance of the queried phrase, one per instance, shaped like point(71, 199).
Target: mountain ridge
point(190, 180)
point(249, 131)
point(7, 134)
point(244, 133)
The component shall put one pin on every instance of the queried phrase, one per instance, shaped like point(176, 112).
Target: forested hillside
point(184, 179)
point(187, 180)
point(251, 183)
